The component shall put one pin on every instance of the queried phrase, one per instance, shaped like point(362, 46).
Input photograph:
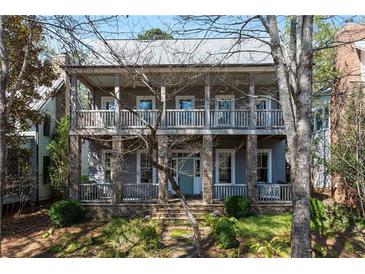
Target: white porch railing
point(95, 118)
point(138, 119)
point(269, 118)
point(182, 118)
point(221, 191)
point(179, 118)
point(274, 193)
point(96, 192)
point(134, 192)
point(229, 118)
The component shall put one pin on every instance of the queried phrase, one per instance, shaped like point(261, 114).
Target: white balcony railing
point(137, 118)
point(229, 118)
point(181, 118)
point(95, 118)
point(272, 118)
point(177, 118)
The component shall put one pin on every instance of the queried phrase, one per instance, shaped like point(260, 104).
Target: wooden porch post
point(73, 102)
point(117, 100)
point(163, 159)
point(207, 165)
point(251, 160)
point(207, 101)
point(251, 144)
point(252, 101)
point(163, 101)
point(74, 167)
point(117, 154)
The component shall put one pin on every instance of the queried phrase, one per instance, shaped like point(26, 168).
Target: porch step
point(176, 212)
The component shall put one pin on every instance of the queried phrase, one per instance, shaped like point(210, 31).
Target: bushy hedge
point(225, 233)
point(237, 206)
point(65, 213)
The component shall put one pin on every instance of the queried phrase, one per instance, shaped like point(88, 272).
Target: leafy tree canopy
point(38, 71)
point(154, 34)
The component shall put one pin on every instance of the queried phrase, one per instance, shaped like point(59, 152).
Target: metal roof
point(179, 52)
point(43, 92)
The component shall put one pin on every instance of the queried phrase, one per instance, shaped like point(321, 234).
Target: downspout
point(37, 164)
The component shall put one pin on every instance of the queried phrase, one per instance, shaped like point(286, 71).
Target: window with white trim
point(146, 102)
point(145, 169)
point(107, 103)
point(264, 165)
point(225, 166)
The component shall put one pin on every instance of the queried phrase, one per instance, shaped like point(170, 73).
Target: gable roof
point(43, 91)
point(210, 52)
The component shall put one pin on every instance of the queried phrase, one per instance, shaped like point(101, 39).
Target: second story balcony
point(181, 119)
point(242, 103)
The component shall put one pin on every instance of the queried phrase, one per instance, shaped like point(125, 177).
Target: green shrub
point(150, 237)
point(318, 215)
point(225, 233)
point(65, 213)
point(237, 206)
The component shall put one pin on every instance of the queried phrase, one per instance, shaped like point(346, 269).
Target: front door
point(186, 176)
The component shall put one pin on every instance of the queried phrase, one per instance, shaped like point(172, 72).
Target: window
point(47, 126)
point(264, 165)
point(107, 165)
point(225, 166)
point(46, 166)
point(224, 103)
point(185, 102)
point(107, 103)
point(146, 102)
point(145, 170)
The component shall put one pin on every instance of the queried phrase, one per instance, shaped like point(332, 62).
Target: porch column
point(252, 101)
point(117, 99)
point(73, 102)
point(74, 167)
point(207, 102)
point(251, 160)
point(163, 102)
point(117, 149)
point(207, 165)
point(162, 159)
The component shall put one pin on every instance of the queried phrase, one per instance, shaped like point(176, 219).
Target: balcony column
point(252, 101)
point(73, 102)
point(117, 154)
point(207, 165)
point(163, 102)
point(162, 159)
point(74, 167)
point(207, 101)
point(251, 160)
point(117, 100)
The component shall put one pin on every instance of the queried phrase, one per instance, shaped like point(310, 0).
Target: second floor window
point(108, 103)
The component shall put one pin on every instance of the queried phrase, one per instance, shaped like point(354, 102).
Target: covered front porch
point(208, 169)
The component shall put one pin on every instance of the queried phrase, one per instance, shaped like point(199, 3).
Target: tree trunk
point(294, 73)
point(3, 81)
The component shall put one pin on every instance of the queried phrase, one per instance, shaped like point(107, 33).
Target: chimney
point(58, 61)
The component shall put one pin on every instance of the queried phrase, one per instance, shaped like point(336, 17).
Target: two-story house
point(227, 102)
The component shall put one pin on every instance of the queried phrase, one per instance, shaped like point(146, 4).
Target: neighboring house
point(242, 139)
point(321, 178)
point(37, 138)
point(350, 61)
